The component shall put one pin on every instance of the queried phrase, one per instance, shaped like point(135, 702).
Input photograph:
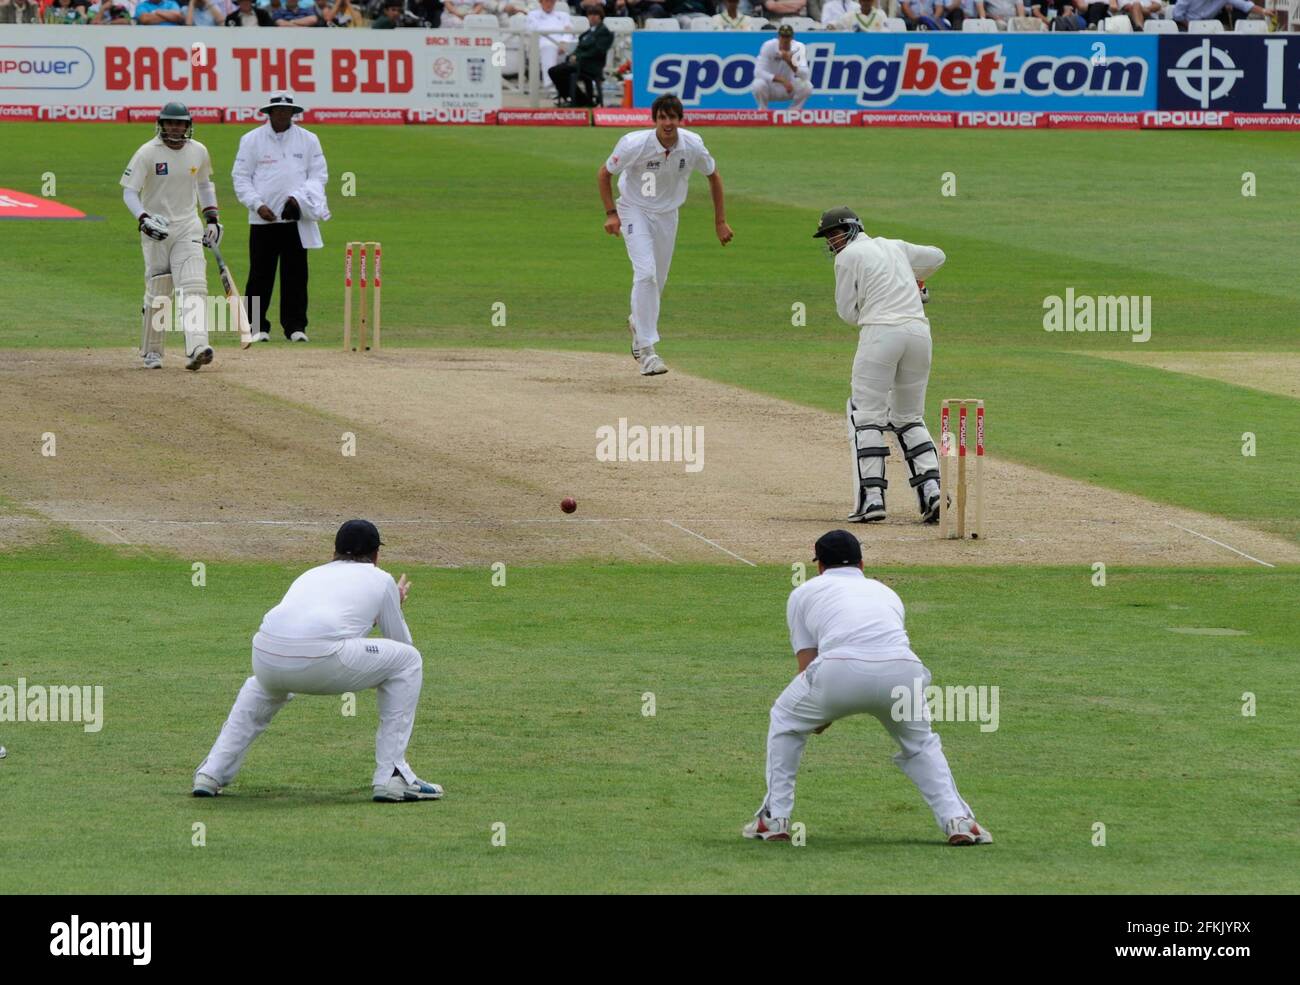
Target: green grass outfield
point(531, 716)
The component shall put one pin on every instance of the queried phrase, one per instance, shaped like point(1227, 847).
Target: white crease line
point(673, 523)
point(643, 546)
point(1221, 544)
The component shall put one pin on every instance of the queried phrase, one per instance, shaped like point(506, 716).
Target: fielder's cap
point(281, 100)
point(837, 549)
point(834, 218)
point(357, 537)
point(785, 31)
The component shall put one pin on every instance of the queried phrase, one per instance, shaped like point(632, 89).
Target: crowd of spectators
point(548, 15)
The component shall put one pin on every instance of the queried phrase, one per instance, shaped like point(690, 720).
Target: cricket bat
point(235, 301)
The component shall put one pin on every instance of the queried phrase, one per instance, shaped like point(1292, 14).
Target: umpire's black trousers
point(269, 245)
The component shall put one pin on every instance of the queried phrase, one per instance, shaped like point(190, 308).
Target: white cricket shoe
point(930, 492)
point(261, 337)
point(964, 831)
point(205, 786)
point(3, 752)
point(767, 828)
point(299, 337)
point(153, 360)
point(397, 790)
point(651, 363)
point(201, 356)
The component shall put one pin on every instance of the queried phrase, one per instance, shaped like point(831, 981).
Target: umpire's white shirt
point(639, 154)
point(848, 616)
point(270, 167)
point(329, 605)
point(875, 280)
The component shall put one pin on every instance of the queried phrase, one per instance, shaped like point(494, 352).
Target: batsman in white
point(876, 291)
point(654, 168)
point(855, 658)
point(316, 641)
point(166, 178)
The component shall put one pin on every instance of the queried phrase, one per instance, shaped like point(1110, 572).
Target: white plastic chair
point(480, 22)
point(801, 24)
point(895, 25)
point(662, 24)
point(1205, 27)
point(756, 23)
point(1025, 25)
point(702, 24)
point(1119, 24)
point(1250, 27)
point(1159, 27)
point(980, 25)
point(578, 24)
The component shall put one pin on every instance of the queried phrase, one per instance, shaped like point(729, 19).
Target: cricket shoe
point(201, 356)
point(397, 790)
point(964, 831)
point(651, 363)
point(931, 494)
point(205, 786)
point(261, 337)
point(299, 337)
point(868, 510)
point(153, 360)
point(767, 828)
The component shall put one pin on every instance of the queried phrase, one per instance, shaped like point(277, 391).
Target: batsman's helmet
point(176, 111)
point(838, 220)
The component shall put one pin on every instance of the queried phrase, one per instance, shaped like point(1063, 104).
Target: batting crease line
point(1221, 544)
point(706, 540)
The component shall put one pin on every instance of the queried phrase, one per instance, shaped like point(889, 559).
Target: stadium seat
point(1250, 27)
point(701, 24)
point(980, 25)
point(801, 24)
point(480, 22)
point(622, 28)
point(895, 25)
point(577, 24)
point(756, 23)
point(662, 24)
point(1204, 27)
point(1025, 25)
point(1120, 24)
point(620, 25)
point(1159, 27)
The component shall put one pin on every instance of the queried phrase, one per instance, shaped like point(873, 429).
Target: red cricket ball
point(568, 504)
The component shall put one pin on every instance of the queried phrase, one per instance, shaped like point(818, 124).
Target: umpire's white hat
point(282, 100)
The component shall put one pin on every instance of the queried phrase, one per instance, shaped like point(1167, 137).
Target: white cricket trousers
point(829, 690)
point(765, 92)
point(175, 264)
point(394, 669)
point(890, 371)
point(649, 237)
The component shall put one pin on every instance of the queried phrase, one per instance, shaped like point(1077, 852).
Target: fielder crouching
point(879, 289)
point(855, 658)
point(316, 641)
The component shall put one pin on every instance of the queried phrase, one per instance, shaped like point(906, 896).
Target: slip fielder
point(876, 290)
point(654, 168)
point(161, 185)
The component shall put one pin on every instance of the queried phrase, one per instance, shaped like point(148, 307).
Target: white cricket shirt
point(639, 154)
point(770, 66)
point(167, 180)
point(875, 280)
point(329, 604)
point(270, 167)
point(848, 616)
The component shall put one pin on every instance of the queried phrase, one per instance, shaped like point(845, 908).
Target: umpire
point(587, 62)
point(280, 175)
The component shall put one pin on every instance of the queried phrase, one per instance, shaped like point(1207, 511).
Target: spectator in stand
point(19, 12)
point(550, 17)
point(1061, 15)
point(159, 13)
point(454, 12)
point(834, 10)
point(1140, 10)
point(111, 12)
point(644, 10)
point(65, 12)
point(688, 10)
point(205, 13)
point(1003, 10)
point(246, 14)
point(730, 18)
point(924, 15)
point(956, 11)
point(390, 18)
point(587, 61)
point(781, 71)
point(342, 13)
point(866, 16)
point(774, 10)
point(295, 14)
point(422, 13)
point(1208, 10)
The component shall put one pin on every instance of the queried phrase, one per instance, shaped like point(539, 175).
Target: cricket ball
point(568, 504)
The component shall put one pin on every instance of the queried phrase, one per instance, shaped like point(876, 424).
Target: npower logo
point(877, 80)
point(814, 117)
point(459, 114)
point(44, 66)
point(86, 114)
